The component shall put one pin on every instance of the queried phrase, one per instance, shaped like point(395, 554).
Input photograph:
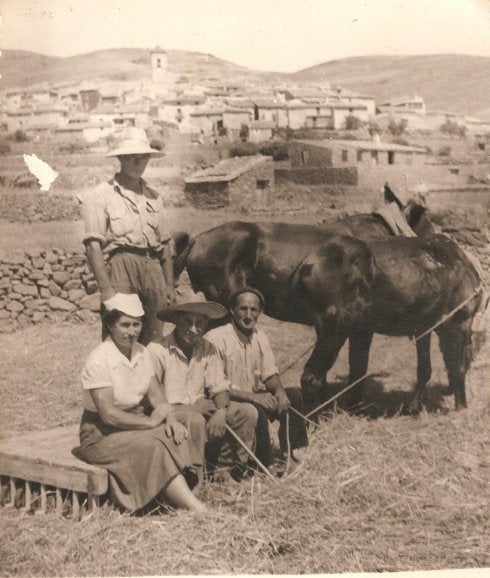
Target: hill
point(452, 82)
point(21, 69)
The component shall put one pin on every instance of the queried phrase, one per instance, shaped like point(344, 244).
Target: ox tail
point(182, 245)
point(479, 326)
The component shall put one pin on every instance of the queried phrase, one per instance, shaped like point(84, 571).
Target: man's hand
point(175, 429)
point(205, 407)
point(171, 296)
point(266, 400)
point(283, 403)
point(217, 424)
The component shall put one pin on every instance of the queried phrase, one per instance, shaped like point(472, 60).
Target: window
point(374, 157)
point(345, 155)
point(391, 157)
point(304, 157)
point(359, 156)
point(159, 63)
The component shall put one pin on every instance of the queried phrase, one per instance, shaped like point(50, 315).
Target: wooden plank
point(46, 457)
point(44, 500)
point(75, 506)
point(59, 501)
point(28, 496)
point(88, 479)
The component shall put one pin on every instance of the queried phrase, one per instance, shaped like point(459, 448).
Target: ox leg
point(454, 341)
point(359, 346)
point(424, 371)
point(314, 378)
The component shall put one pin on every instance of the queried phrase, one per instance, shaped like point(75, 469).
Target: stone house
point(311, 153)
point(178, 110)
point(260, 130)
point(404, 104)
point(239, 182)
point(234, 118)
point(271, 111)
point(206, 121)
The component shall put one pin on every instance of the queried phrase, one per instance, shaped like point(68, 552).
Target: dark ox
point(325, 276)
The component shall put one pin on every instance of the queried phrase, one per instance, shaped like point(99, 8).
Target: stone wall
point(39, 286)
point(317, 176)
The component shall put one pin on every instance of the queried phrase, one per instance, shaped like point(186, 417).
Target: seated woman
point(147, 456)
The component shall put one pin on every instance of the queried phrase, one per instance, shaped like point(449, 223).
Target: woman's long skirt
point(141, 463)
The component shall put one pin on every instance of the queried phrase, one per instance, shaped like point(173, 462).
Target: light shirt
point(185, 381)
point(119, 217)
point(106, 366)
point(248, 360)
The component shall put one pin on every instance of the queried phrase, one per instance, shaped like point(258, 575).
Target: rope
point(444, 318)
point(295, 361)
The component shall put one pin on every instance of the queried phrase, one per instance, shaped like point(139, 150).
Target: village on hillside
point(329, 134)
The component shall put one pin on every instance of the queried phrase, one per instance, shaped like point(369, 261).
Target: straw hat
point(209, 309)
point(127, 303)
point(134, 141)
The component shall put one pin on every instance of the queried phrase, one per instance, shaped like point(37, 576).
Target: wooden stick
point(75, 505)
point(341, 392)
point(28, 495)
point(304, 417)
point(251, 454)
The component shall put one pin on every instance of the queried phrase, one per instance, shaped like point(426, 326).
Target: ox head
point(336, 282)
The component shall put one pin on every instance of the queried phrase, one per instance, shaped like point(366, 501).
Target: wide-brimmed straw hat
point(134, 141)
point(209, 309)
point(127, 303)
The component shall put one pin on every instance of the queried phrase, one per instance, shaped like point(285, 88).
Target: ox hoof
point(414, 406)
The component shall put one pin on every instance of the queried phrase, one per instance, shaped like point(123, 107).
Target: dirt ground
point(378, 491)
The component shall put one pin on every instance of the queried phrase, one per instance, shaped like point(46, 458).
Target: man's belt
point(143, 251)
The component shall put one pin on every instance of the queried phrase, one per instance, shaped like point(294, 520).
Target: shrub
point(5, 148)
point(352, 122)
point(278, 150)
point(244, 149)
point(453, 128)
point(397, 128)
point(244, 132)
point(20, 136)
point(444, 151)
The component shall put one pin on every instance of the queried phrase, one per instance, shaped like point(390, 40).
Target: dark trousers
point(298, 436)
point(132, 273)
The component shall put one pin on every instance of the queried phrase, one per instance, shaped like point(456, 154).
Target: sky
point(276, 35)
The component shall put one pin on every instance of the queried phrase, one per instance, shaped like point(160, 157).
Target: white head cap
point(127, 303)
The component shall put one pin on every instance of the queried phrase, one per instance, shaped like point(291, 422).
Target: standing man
point(127, 247)
point(191, 376)
point(251, 370)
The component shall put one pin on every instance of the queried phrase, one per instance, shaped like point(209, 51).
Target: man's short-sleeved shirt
point(106, 366)
point(119, 217)
point(184, 380)
point(248, 360)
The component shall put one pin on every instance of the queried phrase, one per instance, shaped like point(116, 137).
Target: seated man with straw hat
point(252, 372)
point(191, 376)
point(127, 247)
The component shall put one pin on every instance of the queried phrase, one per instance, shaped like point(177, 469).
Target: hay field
point(375, 492)
point(387, 494)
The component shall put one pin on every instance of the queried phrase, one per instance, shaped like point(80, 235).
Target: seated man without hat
point(127, 247)
point(253, 376)
point(191, 376)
